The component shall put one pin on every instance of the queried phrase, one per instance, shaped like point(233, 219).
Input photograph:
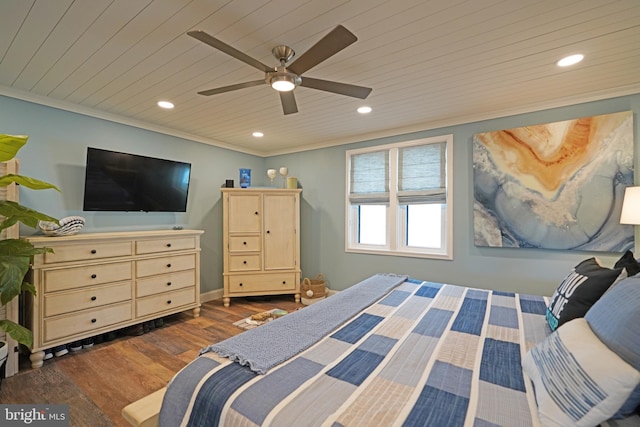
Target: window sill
point(408, 254)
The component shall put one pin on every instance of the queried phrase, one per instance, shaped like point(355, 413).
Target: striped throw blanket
point(423, 354)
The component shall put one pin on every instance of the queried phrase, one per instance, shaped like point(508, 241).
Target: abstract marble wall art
point(554, 186)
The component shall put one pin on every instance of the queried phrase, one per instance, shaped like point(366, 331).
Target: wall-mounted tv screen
point(117, 181)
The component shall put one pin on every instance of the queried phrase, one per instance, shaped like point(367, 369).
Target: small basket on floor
point(313, 290)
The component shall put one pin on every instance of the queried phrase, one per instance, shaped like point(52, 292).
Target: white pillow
point(578, 381)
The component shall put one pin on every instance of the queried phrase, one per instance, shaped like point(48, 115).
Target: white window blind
point(422, 174)
point(370, 178)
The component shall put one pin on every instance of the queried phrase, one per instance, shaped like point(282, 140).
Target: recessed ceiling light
point(570, 60)
point(258, 134)
point(364, 110)
point(165, 104)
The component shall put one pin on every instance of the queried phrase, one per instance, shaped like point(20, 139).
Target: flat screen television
point(117, 181)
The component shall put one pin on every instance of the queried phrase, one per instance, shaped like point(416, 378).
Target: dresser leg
point(196, 312)
point(37, 359)
point(226, 301)
point(297, 297)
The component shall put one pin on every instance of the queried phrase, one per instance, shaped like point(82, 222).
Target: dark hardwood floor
point(99, 381)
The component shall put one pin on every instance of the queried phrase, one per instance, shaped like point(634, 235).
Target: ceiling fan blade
point(229, 88)
point(288, 100)
point(336, 87)
point(229, 50)
point(329, 45)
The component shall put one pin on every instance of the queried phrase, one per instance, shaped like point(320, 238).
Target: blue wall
point(56, 152)
point(57, 148)
point(321, 173)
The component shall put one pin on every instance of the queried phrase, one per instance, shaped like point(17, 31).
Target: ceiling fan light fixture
point(283, 83)
point(283, 79)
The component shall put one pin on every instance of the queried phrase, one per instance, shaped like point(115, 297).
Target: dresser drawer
point(166, 301)
point(72, 301)
point(162, 265)
point(77, 277)
point(86, 321)
point(244, 243)
point(96, 296)
point(244, 262)
point(164, 283)
point(87, 251)
point(262, 283)
point(164, 245)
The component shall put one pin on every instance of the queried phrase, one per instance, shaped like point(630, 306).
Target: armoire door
point(244, 213)
point(279, 232)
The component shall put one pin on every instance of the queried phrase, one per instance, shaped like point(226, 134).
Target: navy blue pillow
point(580, 290)
point(629, 263)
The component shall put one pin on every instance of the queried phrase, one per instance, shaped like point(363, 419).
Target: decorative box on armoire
point(261, 241)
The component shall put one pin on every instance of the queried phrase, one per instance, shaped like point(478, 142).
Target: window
point(399, 198)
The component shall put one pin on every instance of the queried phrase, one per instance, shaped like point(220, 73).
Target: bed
point(392, 350)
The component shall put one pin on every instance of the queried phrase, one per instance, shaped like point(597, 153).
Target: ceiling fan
point(286, 78)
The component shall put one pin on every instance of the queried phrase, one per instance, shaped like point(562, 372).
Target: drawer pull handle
point(244, 262)
point(255, 213)
point(168, 283)
point(168, 265)
point(168, 301)
point(168, 245)
point(268, 231)
point(94, 320)
point(244, 243)
point(284, 282)
point(93, 251)
point(240, 284)
point(93, 276)
point(94, 298)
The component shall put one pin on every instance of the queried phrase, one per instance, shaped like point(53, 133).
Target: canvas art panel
point(554, 186)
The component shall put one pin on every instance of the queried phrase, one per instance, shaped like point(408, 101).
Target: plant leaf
point(13, 269)
point(25, 181)
point(19, 247)
point(28, 287)
point(19, 333)
point(14, 212)
point(10, 145)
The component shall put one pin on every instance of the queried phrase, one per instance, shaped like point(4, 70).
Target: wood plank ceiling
point(430, 63)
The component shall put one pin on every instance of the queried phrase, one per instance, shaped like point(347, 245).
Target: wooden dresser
point(99, 282)
point(261, 242)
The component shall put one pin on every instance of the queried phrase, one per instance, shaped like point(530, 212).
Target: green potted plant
point(16, 254)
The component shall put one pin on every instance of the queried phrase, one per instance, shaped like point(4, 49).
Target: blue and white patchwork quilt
point(418, 354)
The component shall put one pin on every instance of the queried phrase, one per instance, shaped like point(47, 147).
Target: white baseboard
point(218, 293)
point(211, 295)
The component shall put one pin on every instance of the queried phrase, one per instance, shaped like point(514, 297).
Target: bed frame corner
point(144, 412)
